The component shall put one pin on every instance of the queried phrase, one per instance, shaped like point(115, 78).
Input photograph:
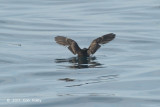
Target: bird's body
point(85, 52)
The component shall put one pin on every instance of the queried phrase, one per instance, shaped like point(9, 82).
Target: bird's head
point(84, 49)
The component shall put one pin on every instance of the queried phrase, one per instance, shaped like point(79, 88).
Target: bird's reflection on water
point(81, 62)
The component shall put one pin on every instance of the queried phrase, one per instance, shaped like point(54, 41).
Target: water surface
point(35, 71)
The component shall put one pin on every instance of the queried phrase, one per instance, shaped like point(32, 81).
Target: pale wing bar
point(72, 45)
point(101, 40)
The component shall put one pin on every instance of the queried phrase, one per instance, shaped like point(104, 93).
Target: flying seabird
point(85, 52)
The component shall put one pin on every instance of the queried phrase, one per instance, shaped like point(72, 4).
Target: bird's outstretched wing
point(72, 45)
point(95, 45)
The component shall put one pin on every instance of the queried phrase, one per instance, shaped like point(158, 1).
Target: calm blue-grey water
point(37, 72)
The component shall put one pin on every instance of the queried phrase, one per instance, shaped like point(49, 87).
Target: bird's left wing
point(72, 45)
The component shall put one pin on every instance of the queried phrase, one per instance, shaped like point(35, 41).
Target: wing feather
point(71, 44)
point(95, 45)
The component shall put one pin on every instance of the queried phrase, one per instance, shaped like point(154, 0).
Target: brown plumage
point(94, 46)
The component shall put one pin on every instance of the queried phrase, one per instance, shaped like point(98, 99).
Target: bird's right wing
point(95, 45)
point(72, 45)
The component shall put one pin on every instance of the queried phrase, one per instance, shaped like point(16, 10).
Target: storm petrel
point(85, 52)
